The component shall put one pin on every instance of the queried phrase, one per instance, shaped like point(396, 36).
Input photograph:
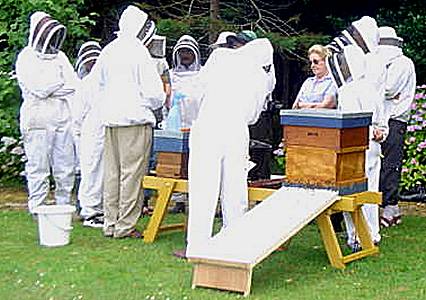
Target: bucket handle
point(59, 227)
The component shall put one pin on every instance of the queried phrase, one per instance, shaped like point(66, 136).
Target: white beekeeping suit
point(47, 81)
point(185, 84)
point(90, 132)
point(236, 85)
point(356, 93)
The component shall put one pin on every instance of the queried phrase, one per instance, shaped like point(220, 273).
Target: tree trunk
point(214, 15)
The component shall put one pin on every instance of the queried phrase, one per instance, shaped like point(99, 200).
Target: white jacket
point(129, 85)
point(400, 83)
point(48, 87)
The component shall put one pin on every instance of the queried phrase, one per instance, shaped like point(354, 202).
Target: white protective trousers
point(362, 96)
point(370, 211)
point(218, 167)
point(91, 164)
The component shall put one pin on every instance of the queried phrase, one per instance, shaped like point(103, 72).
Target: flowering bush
point(12, 159)
point(278, 161)
point(413, 175)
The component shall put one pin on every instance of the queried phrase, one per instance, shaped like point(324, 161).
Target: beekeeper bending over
point(236, 85)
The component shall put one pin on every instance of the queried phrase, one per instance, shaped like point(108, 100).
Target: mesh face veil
point(347, 65)
point(157, 46)
point(48, 36)
point(147, 32)
point(87, 56)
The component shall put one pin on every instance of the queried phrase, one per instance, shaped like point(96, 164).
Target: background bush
point(414, 167)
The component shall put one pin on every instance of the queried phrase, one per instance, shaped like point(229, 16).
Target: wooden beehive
point(326, 148)
point(172, 153)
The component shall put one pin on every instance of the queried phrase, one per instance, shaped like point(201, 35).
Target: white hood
point(346, 66)
point(390, 45)
point(46, 34)
point(136, 23)
point(186, 42)
point(363, 33)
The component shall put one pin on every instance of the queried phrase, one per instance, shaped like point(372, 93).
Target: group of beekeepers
point(98, 117)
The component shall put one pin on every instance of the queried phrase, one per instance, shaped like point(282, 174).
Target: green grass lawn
point(94, 267)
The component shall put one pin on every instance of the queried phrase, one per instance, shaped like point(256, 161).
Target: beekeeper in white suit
point(47, 81)
point(364, 33)
point(91, 132)
point(236, 85)
point(185, 84)
point(356, 93)
point(186, 92)
point(130, 89)
point(400, 87)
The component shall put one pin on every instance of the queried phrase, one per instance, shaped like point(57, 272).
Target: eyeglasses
point(315, 61)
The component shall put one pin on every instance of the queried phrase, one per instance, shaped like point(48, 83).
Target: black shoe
point(179, 208)
point(356, 247)
point(96, 221)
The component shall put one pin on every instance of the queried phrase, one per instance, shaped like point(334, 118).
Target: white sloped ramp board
point(265, 227)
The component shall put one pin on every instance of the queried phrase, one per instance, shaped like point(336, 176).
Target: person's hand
point(378, 135)
point(295, 105)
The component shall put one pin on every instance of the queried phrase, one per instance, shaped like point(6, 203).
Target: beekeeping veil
point(46, 34)
point(346, 66)
point(136, 23)
point(86, 57)
point(157, 46)
point(189, 43)
point(362, 33)
point(390, 45)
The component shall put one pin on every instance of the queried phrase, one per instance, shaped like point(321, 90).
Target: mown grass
point(94, 267)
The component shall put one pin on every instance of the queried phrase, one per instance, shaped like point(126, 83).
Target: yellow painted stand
point(351, 204)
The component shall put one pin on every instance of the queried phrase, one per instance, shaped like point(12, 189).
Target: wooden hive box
point(326, 148)
point(172, 152)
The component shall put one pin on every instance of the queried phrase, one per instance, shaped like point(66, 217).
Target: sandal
point(385, 222)
point(147, 211)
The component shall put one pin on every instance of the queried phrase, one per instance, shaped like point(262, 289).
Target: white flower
point(7, 141)
point(17, 150)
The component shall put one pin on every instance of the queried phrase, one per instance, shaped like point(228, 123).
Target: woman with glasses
point(317, 91)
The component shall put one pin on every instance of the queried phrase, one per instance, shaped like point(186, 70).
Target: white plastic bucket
point(54, 224)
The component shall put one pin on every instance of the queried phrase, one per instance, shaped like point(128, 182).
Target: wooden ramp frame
point(236, 277)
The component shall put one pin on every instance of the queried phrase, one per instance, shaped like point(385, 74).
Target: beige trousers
point(126, 154)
